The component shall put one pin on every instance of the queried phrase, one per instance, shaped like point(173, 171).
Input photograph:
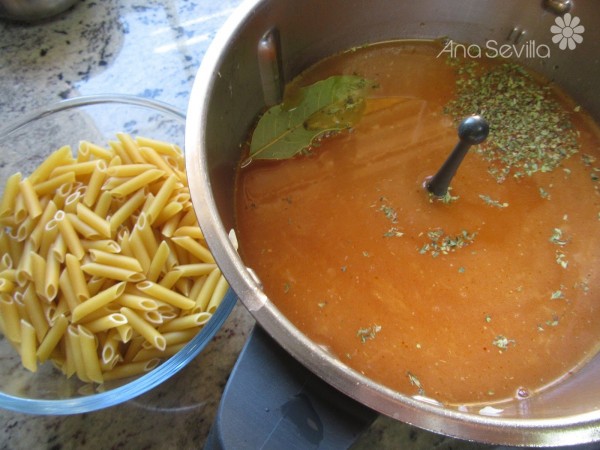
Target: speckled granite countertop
point(152, 49)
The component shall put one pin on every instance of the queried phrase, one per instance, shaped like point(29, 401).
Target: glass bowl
point(23, 146)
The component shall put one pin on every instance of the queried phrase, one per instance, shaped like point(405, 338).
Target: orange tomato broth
point(496, 319)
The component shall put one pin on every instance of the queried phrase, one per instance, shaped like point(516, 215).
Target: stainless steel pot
point(228, 94)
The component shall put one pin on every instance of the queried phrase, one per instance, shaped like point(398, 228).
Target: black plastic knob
point(471, 131)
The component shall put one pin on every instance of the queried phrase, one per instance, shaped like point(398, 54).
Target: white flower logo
point(567, 32)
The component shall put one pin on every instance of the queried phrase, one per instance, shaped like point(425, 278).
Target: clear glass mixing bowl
point(23, 145)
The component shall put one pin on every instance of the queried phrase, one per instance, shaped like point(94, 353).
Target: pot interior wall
point(313, 29)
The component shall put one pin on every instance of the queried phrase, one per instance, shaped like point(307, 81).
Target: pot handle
point(271, 401)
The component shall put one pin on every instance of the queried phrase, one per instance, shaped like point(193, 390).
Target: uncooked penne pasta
point(87, 342)
point(30, 197)
point(98, 253)
point(66, 289)
point(62, 156)
point(35, 312)
point(65, 227)
point(51, 185)
point(168, 212)
point(93, 220)
point(158, 261)
point(95, 184)
point(125, 333)
point(136, 183)
point(77, 279)
point(97, 151)
point(153, 157)
point(6, 285)
point(78, 168)
point(11, 319)
point(195, 270)
point(185, 322)
point(149, 353)
point(38, 265)
point(113, 320)
point(48, 237)
point(131, 369)
point(197, 287)
point(139, 250)
point(154, 318)
point(178, 336)
point(28, 346)
point(169, 226)
point(47, 215)
point(170, 279)
point(192, 231)
point(11, 190)
point(52, 338)
point(144, 228)
point(130, 147)
point(25, 267)
point(120, 261)
point(102, 207)
point(58, 249)
point(164, 148)
point(97, 301)
point(194, 247)
point(104, 245)
point(75, 352)
point(205, 295)
point(20, 211)
point(141, 326)
point(128, 170)
point(137, 302)
point(161, 293)
point(110, 347)
point(126, 210)
point(218, 294)
point(161, 198)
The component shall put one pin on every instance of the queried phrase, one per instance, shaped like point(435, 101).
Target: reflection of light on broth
point(470, 319)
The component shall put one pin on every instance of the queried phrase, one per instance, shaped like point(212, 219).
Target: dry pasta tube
point(150, 353)
point(75, 353)
point(185, 322)
point(131, 369)
point(112, 272)
point(144, 328)
point(35, 312)
point(38, 267)
point(110, 348)
point(62, 156)
point(161, 293)
point(104, 323)
point(158, 261)
point(11, 190)
point(52, 338)
point(218, 294)
point(28, 346)
point(204, 297)
point(11, 319)
point(97, 301)
point(138, 302)
point(91, 364)
point(195, 248)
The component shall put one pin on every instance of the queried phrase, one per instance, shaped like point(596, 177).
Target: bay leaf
point(329, 105)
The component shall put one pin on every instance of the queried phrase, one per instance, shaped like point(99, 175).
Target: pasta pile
point(103, 268)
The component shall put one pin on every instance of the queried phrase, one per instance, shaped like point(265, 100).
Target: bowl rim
point(166, 369)
point(89, 100)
